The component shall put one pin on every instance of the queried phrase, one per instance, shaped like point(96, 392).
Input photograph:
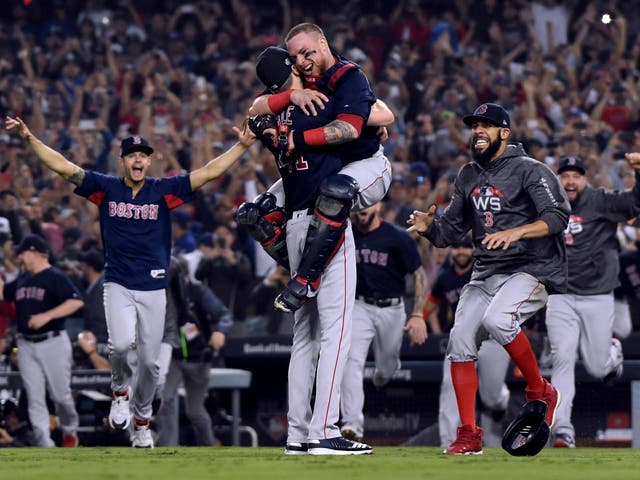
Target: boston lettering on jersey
point(30, 293)
point(372, 257)
point(129, 210)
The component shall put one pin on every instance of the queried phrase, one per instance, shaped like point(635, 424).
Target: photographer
point(196, 324)
point(226, 271)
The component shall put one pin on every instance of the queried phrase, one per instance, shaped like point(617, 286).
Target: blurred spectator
point(227, 272)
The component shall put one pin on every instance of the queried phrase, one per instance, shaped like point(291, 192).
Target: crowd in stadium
point(85, 75)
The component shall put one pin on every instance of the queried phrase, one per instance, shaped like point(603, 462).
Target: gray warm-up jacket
point(512, 191)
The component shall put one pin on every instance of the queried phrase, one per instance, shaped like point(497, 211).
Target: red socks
point(522, 355)
point(465, 384)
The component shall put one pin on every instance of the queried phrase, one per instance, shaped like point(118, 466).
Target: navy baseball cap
point(571, 163)
point(135, 144)
point(491, 113)
point(35, 243)
point(273, 67)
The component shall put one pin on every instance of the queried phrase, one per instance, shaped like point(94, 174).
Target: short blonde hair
point(306, 27)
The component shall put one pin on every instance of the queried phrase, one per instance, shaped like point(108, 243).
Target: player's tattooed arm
point(76, 177)
point(419, 294)
point(339, 131)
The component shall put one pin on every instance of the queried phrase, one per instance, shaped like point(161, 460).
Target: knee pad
point(337, 194)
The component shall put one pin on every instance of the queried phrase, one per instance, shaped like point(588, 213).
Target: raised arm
point(47, 155)
point(216, 167)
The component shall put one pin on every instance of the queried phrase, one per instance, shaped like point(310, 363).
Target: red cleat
point(69, 441)
point(550, 396)
point(468, 441)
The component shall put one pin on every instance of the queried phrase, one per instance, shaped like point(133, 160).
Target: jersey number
point(299, 163)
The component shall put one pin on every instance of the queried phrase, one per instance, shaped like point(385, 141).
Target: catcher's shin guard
point(266, 224)
point(528, 433)
point(324, 238)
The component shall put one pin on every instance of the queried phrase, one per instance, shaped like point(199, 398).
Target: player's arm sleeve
point(93, 187)
point(619, 206)
point(454, 222)
point(549, 198)
point(177, 190)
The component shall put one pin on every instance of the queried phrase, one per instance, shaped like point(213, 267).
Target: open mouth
point(481, 142)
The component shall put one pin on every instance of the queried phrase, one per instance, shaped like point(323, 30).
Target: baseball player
point(385, 255)
point(322, 329)
point(581, 320)
point(136, 233)
point(44, 297)
point(516, 211)
point(332, 75)
point(629, 289)
point(493, 361)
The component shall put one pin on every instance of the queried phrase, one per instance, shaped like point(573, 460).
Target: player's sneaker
point(338, 446)
point(294, 448)
point(350, 434)
point(550, 396)
point(468, 441)
point(70, 441)
point(296, 293)
point(616, 361)
point(120, 415)
point(142, 434)
point(564, 440)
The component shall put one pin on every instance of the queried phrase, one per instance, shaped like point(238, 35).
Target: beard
point(364, 224)
point(484, 158)
point(462, 261)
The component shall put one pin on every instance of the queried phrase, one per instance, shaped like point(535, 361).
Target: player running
point(582, 319)
point(517, 211)
point(135, 224)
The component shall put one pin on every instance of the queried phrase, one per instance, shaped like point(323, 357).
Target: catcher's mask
point(528, 433)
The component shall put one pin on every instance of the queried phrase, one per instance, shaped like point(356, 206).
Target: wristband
point(309, 138)
point(278, 101)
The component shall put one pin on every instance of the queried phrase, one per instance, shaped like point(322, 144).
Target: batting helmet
point(528, 433)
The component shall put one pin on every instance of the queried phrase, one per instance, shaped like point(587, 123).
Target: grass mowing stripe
point(270, 463)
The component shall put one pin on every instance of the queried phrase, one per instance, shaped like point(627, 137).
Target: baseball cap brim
point(469, 120)
point(137, 148)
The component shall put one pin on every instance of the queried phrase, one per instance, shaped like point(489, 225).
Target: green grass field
point(270, 463)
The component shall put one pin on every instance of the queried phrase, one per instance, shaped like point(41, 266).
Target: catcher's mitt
point(259, 123)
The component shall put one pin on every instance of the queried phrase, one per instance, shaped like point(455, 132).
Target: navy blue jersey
point(39, 293)
point(384, 257)
point(136, 231)
point(302, 175)
point(352, 94)
point(446, 292)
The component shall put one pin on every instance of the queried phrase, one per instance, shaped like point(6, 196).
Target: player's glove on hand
point(259, 124)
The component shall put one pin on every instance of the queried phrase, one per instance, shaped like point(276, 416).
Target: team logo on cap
point(482, 109)
point(571, 161)
point(137, 140)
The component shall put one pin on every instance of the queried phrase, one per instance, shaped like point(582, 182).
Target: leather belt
point(380, 302)
point(40, 337)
